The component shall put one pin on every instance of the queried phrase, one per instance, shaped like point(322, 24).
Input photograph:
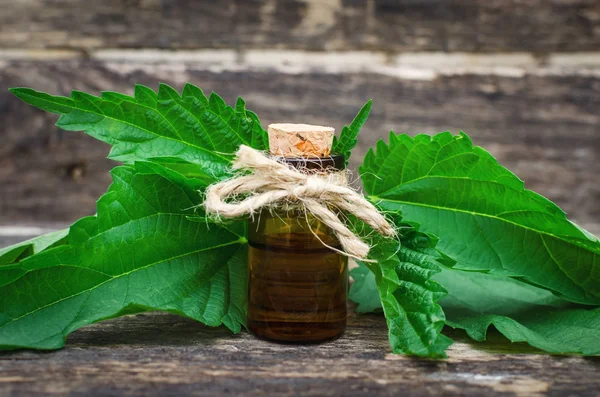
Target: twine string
point(271, 183)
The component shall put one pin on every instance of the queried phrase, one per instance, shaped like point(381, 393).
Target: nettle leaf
point(409, 297)
point(22, 250)
point(349, 135)
point(140, 252)
point(363, 290)
point(203, 131)
point(484, 216)
point(520, 311)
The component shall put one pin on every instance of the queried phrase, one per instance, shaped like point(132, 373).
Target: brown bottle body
point(297, 286)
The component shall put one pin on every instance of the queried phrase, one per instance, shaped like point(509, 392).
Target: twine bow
point(272, 182)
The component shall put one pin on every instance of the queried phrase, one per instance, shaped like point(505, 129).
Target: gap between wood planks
point(409, 65)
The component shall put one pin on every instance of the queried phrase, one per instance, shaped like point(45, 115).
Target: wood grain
point(539, 26)
point(163, 355)
point(544, 128)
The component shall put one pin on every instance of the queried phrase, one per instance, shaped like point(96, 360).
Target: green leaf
point(20, 251)
point(408, 296)
point(205, 132)
point(349, 135)
point(520, 311)
point(363, 291)
point(140, 252)
point(484, 217)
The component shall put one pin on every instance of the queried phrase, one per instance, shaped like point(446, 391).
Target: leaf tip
point(137, 87)
point(18, 91)
point(166, 91)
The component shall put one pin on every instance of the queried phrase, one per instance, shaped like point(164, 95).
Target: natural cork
point(300, 140)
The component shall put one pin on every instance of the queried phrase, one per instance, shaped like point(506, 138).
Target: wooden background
point(522, 77)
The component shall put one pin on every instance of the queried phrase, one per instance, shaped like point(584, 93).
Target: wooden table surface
point(163, 355)
point(157, 354)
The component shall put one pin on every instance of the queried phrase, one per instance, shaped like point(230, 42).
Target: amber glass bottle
point(297, 285)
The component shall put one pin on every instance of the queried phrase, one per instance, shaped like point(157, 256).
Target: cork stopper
point(300, 140)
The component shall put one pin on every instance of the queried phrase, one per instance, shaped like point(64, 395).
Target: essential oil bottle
point(297, 282)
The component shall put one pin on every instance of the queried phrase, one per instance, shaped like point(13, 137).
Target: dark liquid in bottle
point(297, 289)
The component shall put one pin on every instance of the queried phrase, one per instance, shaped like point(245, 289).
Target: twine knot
point(271, 182)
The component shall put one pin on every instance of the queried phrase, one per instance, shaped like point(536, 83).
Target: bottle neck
point(333, 163)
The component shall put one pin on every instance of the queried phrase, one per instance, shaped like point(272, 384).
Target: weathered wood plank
point(163, 355)
point(543, 127)
point(538, 26)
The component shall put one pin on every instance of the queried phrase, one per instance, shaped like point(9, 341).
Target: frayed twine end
point(271, 184)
